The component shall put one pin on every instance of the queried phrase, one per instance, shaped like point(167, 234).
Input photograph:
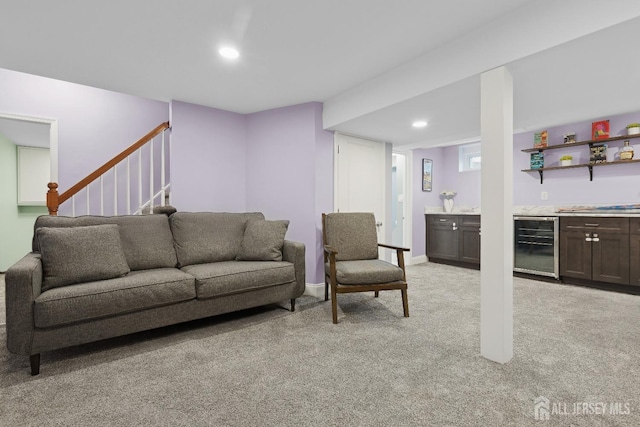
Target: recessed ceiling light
point(419, 124)
point(229, 52)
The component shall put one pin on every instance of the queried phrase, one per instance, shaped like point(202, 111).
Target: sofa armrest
point(23, 283)
point(294, 252)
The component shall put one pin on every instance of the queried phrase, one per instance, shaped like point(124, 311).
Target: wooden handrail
point(52, 195)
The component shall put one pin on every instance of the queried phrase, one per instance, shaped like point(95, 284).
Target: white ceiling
point(588, 78)
point(295, 51)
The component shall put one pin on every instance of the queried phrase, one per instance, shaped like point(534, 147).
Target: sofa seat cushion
point(233, 277)
point(137, 291)
point(369, 271)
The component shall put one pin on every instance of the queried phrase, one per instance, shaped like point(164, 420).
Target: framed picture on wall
point(427, 174)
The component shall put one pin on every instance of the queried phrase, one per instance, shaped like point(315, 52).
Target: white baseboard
point(419, 259)
point(315, 290)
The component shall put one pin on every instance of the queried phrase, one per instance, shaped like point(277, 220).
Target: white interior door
point(360, 178)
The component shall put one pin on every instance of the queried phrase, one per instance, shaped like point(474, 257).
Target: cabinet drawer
point(601, 224)
point(469, 220)
point(634, 225)
point(443, 219)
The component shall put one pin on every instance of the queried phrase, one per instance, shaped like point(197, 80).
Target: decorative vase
point(633, 131)
point(448, 205)
point(565, 162)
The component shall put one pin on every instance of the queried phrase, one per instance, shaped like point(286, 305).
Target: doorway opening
point(400, 203)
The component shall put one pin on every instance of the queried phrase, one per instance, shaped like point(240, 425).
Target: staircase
point(132, 183)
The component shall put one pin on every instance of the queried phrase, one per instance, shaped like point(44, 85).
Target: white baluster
point(88, 209)
point(73, 205)
point(150, 176)
point(162, 166)
point(101, 196)
point(170, 158)
point(140, 180)
point(129, 185)
point(115, 190)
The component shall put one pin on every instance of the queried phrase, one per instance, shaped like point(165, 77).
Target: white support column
point(496, 274)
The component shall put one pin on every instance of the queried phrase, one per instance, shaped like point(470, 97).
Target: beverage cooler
point(536, 245)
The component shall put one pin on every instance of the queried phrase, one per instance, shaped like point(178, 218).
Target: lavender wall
point(287, 154)
point(465, 184)
point(279, 162)
point(208, 164)
point(424, 198)
point(93, 124)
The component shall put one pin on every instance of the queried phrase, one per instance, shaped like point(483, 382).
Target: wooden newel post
point(52, 198)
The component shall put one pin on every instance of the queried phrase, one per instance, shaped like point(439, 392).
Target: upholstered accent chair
point(351, 261)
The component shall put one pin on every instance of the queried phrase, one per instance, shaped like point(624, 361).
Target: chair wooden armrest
point(398, 248)
point(329, 250)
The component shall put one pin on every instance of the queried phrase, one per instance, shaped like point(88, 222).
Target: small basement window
point(469, 157)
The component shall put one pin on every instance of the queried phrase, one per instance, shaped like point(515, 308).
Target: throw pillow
point(80, 254)
point(263, 240)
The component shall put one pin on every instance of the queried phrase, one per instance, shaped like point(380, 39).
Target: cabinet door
point(442, 239)
point(634, 251)
point(469, 236)
point(634, 260)
point(610, 258)
point(575, 254)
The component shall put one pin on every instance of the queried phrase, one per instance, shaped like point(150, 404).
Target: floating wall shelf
point(584, 165)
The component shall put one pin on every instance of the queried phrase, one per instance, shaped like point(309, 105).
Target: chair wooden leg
point(334, 305)
point(376, 294)
point(405, 302)
point(34, 360)
point(293, 305)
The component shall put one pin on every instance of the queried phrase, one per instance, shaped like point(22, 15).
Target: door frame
point(407, 229)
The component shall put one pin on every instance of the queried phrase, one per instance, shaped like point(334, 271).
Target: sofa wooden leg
point(293, 305)
point(34, 359)
point(376, 294)
point(326, 290)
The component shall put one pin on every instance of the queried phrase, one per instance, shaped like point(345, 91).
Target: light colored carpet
point(269, 367)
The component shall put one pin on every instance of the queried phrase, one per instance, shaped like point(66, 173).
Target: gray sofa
point(91, 277)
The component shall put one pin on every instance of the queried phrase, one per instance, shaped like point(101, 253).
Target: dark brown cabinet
point(469, 239)
point(595, 248)
point(634, 251)
point(442, 237)
point(453, 238)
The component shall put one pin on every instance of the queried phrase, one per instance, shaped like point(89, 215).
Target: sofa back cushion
point(80, 254)
point(263, 240)
point(146, 239)
point(201, 237)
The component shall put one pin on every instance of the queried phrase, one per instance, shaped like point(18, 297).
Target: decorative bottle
point(626, 153)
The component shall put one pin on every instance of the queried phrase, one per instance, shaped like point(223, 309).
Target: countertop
point(539, 211)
